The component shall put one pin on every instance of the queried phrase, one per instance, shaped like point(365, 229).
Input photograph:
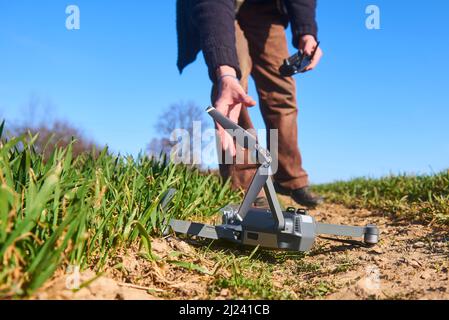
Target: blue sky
point(377, 104)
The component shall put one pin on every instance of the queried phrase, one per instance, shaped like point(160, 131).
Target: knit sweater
point(208, 25)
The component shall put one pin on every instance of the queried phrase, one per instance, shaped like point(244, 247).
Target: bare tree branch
point(178, 116)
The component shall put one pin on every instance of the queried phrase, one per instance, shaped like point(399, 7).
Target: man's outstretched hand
point(308, 44)
point(231, 99)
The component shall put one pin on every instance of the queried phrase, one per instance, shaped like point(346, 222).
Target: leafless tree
point(51, 133)
point(178, 116)
point(58, 134)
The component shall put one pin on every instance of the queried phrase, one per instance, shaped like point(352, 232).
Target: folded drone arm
point(227, 124)
point(249, 142)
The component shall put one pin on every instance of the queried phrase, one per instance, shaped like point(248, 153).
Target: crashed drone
point(291, 230)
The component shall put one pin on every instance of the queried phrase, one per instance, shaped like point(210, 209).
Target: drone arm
point(339, 230)
point(227, 124)
point(370, 233)
point(249, 142)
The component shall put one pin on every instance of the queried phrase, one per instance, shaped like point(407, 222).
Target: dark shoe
point(261, 202)
point(301, 196)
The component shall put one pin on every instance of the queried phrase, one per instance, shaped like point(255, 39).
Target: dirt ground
point(410, 262)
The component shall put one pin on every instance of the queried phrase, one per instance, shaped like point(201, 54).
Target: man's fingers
point(248, 101)
point(231, 145)
point(309, 48)
point(226, 140)
point(315, 61)
point(230, 103)
point(228, 143)
point(234, 113)
point(221, 106)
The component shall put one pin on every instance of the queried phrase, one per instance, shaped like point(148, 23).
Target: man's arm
point(215, 22)
point(302, 15)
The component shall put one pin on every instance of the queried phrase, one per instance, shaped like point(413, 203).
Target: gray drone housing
point(299, 234)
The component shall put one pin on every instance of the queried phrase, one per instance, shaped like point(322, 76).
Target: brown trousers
point(262, 47)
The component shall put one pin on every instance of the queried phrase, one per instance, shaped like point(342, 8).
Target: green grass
point(422, 198)
point(79, 211)
point(84, 211)
point(248, 274)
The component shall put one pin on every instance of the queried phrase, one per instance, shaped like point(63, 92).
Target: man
point(243, 38)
